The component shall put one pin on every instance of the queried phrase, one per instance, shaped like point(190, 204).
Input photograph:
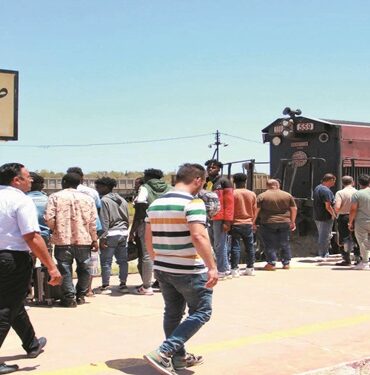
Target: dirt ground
point(313, 318)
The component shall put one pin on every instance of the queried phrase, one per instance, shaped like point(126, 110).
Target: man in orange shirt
point(245, 206)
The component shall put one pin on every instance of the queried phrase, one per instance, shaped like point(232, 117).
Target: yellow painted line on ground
point(283, 334)
point(103, 368)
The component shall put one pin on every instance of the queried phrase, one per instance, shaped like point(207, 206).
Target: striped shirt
point(169, 217)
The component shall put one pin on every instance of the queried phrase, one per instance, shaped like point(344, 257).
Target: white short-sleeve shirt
point(142, 196)
point(18, 216)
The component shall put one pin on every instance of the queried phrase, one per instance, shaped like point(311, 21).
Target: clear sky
point(94, 71)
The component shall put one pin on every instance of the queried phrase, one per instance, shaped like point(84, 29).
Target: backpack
point(211, 201)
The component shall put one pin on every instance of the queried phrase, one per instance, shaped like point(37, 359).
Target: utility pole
point(217, 144)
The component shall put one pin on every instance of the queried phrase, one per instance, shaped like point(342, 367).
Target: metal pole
point(217, 145)
point(250, 179)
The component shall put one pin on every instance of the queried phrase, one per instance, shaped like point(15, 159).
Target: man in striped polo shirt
point(178, 242)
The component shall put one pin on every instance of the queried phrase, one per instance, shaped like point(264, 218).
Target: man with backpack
point(152, 188)
point(114, 218)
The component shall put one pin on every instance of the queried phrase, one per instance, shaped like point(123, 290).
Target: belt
point(16, 251)
point(69, 246)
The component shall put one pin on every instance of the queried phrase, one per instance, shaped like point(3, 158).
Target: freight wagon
point(125, 186)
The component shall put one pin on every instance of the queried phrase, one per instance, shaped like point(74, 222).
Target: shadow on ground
point(13, 357)
point(136, 366)
point(9, 361)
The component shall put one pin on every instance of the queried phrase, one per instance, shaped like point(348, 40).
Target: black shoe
point(7, 369)
point(68, 303)
point(35, 352)
point(343, 263)
point(123, 288)
point(156, 287)
point(80, 300)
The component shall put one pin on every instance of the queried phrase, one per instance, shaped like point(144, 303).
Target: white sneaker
point(144, 291)
point(235, 273)
point(361, 266)
point(249, 272)
point(228, 275)
point(103, 290)
point(222, 276)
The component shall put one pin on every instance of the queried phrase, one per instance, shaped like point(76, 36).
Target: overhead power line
point(46, 146)
point(242, 138)
point(111, 143)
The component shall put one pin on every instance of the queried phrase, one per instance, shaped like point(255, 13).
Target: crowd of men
point(190, 231)
point(349, 210)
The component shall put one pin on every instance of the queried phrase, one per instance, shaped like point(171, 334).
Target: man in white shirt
point(342, 207)
point(19, 233)
point(153, 187)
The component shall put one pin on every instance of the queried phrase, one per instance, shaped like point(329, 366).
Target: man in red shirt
point(221, 222)
point(245, 206)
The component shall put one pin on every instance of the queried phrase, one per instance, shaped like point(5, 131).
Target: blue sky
point(96, 71)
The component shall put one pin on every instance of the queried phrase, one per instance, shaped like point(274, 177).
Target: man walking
point(359, 220)
point(178, 242)
point(277, 211)
point(19, 233)
point(245, 207)
point(71, 216)
point(342, 207)
point(221, 222)
point(115, 222)
point(324, 214)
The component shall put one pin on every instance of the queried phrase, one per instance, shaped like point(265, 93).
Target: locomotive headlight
point(286, 132)
point(287, 127)
point(276, 141)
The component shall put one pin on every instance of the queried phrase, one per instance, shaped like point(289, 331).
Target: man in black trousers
point(19, 233)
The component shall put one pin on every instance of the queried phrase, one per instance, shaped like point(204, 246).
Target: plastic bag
point(94, 264)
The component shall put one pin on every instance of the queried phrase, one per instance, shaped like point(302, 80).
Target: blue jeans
point(117, 247)
point(218, 240)
point(65, 256)
point(276, 237)
point(244, 232)
point(179, 290)
point(324, 229)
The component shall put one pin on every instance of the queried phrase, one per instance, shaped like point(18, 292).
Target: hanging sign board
point(8, 105)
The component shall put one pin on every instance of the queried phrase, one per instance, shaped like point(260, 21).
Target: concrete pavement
point(313, 316)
